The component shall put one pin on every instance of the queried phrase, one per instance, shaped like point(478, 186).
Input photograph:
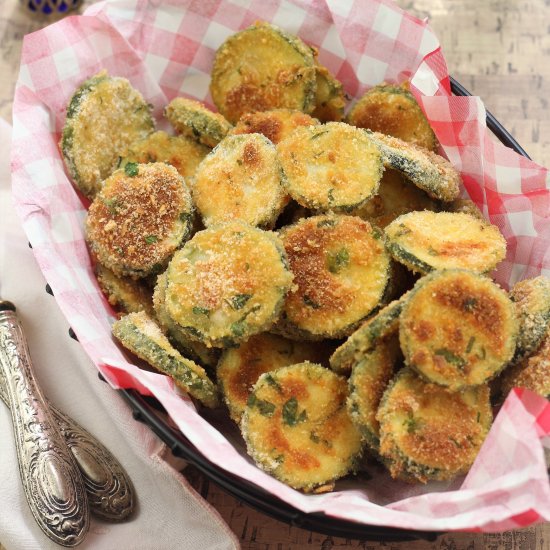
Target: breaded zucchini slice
point(192, 119)
point(428, 432)
point(458, 328)
point(227, 283)
point(341, 271)
point(142, 336)
point(297, 428)
point(532, 373)
point(532, 300)
point(466, 206)
point(240, 179)
point(382, 325)
point(199, 352)
point(427, 241)
point(140, 218)
point(393, 110)
point(332, 166)
point(368, 381)
point(263, 68)
point(275, 125)
point(182, 153)
point(105, 115)
point(427, 170)
point(396, 196)
point(239, 368)
point(124, 293)
point(329, 97)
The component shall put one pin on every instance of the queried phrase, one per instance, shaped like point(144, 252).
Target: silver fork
point(64, 470)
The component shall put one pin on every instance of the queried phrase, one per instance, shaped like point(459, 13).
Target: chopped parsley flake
point(239, 300)
point(131, 169)
point(151, 239)
point(336, 261)
point(290, 413)
point(451, 358)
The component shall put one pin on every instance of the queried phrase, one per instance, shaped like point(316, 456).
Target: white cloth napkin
point(170, 514)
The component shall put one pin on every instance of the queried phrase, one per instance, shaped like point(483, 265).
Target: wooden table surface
point(499, 50)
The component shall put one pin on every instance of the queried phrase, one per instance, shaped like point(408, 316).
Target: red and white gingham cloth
point(166, 49)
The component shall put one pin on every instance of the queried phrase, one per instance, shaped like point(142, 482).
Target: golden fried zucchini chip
point(182, 153)
point(141, 216)
point(382, 325)
point(329, 97)
point(124, 293)
point(466, 206)
point(227, 283)
point(142, 336)
point(240, 179)
point(368, 381)
point(458, 328)
point(427, 170)
point(396, 196)
point(532, 372)
point(297, 428)
point(332, 166)
point(341, 271)
point(393, 110)
point(192, 119)
point(428, 432)
point(532, 300)
point(427, 241)
point(105, 116)
point(263, 68)
point(275, 125)
point(205, 356)
point(239, 368)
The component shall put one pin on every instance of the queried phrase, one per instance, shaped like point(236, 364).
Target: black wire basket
point(150, 412)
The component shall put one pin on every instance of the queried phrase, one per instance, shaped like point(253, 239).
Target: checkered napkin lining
point(166, 50)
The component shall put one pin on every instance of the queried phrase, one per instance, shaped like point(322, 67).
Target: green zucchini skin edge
point(143, 346)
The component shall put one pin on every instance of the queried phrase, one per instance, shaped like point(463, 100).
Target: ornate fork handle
point(51, 480)
point(109, 489)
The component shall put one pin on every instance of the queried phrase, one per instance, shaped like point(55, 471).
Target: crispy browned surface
point(240, 179)
point(326, 300)
point(131, 223)
point(239, 368)
point(532, 373)
point(275, 125)
point(458, 328)
point(427, 240)
point(262, 68)
point(331, 166)
point(424, 427)
point(318, 443)
point(183, 153)
point(393, 110)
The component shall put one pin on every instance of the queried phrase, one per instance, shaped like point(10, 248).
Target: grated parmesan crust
point(331, 166)
point(341, 271)
point(296, 426)
point(138, 221)
point(244, 175)
point(393, 110)
point(428, 432)
point(104, 117)
point(458, 328)
point(227, 283)
point(192, 119)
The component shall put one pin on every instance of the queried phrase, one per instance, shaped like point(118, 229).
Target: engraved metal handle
point(109, 489)
point(51, 480)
